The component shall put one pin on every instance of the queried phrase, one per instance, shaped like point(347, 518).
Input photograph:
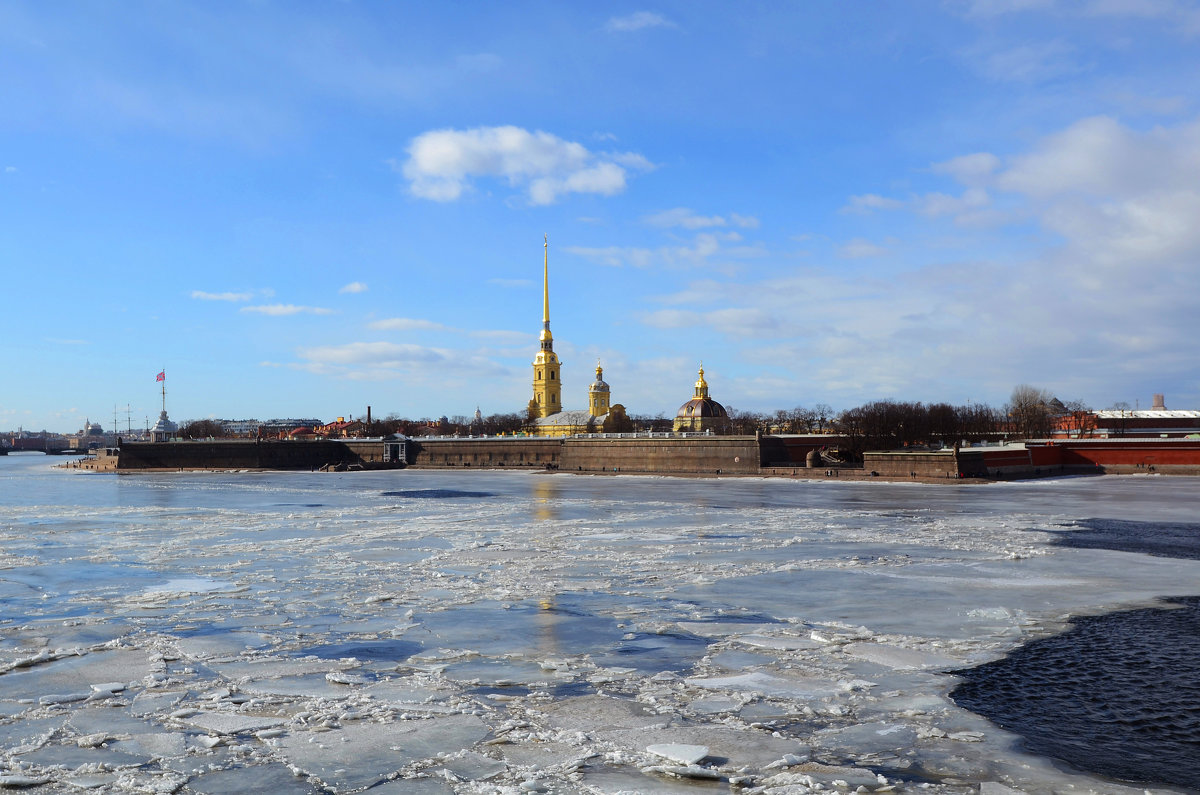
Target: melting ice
point(440, 632)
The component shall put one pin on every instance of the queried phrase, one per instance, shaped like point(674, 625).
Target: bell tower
point(598, 394)
point(547, 388)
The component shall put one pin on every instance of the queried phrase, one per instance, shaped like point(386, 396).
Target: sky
point(304, 208)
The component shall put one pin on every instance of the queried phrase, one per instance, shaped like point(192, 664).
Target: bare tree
point(1029, 412)
point(823, 416)
point(202, 429)
point(1126, 413)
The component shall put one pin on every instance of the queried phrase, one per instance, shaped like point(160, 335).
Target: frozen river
point(488, 632)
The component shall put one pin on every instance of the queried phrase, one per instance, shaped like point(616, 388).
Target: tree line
point(1030, 413)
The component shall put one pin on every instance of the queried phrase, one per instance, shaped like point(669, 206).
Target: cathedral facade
point(546, 415)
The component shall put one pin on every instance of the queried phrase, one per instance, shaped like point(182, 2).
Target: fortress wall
point(935, 464)
point(520, 452)
point(709, 455)
point(794, 448)
point(1135, 456)
point(238, 455)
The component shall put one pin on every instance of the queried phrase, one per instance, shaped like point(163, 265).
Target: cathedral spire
point(546, 291)
point(547, 388)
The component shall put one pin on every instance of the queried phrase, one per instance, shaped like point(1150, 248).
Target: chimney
point(368, 415)
point(1158, 404)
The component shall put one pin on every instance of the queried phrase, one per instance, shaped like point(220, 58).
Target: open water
point(442, 632)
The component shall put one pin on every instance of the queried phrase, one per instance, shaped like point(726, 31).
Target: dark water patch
point(372, 650)
point(437, 494)
point(500, 690)
point(735, 617)
point(1117, 695)
point(572, 690)
point(1162, 539)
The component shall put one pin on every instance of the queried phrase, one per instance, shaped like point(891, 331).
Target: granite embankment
point(771, 456)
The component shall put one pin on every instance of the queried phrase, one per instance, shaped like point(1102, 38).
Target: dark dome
point(700, 407)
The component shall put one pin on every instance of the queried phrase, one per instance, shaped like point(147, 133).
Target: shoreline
point(848, 475)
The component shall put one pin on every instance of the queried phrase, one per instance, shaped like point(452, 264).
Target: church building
point(546, 415)
point(701, 413)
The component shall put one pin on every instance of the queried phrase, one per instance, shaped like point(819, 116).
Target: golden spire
point(599, 370)
point(701, 384)
point(546, 290)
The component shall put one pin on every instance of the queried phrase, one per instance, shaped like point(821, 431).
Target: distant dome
point(701, 407)
point(701, 413)
point(93, 429)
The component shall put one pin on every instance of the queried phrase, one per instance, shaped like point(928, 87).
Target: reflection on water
point(545, 499)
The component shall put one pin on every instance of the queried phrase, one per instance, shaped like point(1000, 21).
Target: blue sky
point(305, 208)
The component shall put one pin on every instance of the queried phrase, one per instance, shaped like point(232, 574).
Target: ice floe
point(290, 632)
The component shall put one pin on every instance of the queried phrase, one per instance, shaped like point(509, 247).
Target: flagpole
point(164, 389)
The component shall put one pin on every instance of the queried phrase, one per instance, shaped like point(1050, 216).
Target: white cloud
point(377, 353)
point(639, 20)
point(502, 337)
point(614, 256)
point(871, 201)
point(937, 204)
point(1100, 156)
point(686, 218)
point(1106, 305)
point(990, 8)
point(419, 365)
point(704, 249)
point(1025, 63)
point(972, 169)
point(442, 164)
point(860, 248)
point(1181, 15)
point(353, 287)
point(673, 318)
point(607, 179)
point(681, 216)
point(405, 324)
point(1184, 16)
point(201, 295)
point(281, 310)
point(1154, 228)
point(10, 169)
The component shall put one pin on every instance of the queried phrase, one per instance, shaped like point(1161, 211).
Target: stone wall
point(509, 452)
point(248, 454)
point(915, 464)
point(707, 455)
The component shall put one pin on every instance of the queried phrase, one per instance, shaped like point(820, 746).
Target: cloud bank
point(442, 165)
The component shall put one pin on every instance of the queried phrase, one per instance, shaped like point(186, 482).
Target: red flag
point(161, 377)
